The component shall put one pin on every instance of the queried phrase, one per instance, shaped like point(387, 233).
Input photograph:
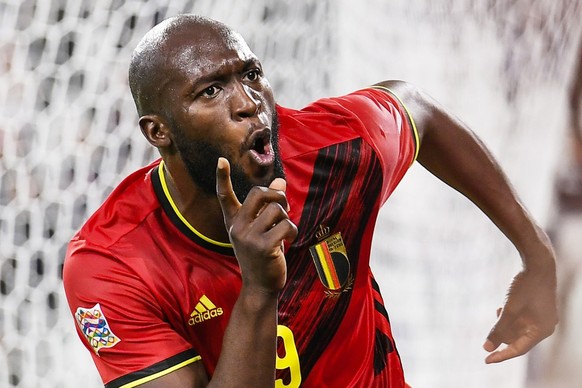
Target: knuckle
point(221, 196)
point(259, 190)
point(236, 232)
point(255, 193)
point(292, 228)
point(509, 313)
point(276, 208)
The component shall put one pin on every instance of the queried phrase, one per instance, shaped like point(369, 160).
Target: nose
point(245, 101)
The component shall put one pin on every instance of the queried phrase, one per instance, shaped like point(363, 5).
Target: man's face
point(219, 104)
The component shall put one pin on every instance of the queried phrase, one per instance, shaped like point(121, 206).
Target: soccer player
point(241, 257)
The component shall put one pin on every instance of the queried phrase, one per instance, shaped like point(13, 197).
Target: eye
point(253, 75)
point(210, 91)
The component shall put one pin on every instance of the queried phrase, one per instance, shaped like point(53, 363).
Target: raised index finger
point(224, 191)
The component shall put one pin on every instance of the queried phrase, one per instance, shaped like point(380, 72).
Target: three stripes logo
point(204, 311)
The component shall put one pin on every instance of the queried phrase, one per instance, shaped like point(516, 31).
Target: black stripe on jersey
point(382, 346)
point(328, 192)
point(379, 303)
point(381, 309)
point(375, 285)
point(178, 222)
point(336, 170)
point(180, 358)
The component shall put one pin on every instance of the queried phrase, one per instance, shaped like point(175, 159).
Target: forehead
point(198, 53)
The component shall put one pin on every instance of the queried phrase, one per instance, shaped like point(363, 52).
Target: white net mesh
point(68, 134)
point(503, 67)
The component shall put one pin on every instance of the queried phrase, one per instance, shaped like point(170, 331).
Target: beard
point(201, 158)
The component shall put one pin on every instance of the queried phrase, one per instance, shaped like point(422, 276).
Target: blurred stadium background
point(68, 135)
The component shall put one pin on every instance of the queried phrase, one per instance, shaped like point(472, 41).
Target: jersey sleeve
point(118, 319)
point(387, 125)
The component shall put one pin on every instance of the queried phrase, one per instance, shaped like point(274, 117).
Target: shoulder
point(419, 105)
point(332, 120)
point(96, 274)
point(123, 210)
point(346, 105)
point(92, 254)
point(366, 107)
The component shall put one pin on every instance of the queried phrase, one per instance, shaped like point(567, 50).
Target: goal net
point(68, 135)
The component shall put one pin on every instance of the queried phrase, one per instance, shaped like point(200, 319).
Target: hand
point(528, 316)
point(257, 229)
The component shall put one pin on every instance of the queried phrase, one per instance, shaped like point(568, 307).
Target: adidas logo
point(204, 311)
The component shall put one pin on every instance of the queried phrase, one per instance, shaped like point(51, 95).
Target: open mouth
point(260, 147)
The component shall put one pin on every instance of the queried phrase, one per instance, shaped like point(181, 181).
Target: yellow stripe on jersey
point(180, 216)
point(161, 373)
point(324, 266)
point(414, 129)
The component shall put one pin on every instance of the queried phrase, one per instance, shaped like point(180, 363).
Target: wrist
point(536, 251)
point(256, 299)
point(541, 262)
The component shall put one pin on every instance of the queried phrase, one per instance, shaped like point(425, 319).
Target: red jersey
point(150, 294)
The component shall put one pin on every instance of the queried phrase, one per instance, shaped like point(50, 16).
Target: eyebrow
point(220, 72)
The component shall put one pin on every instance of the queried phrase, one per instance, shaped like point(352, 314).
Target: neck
point(200, 209)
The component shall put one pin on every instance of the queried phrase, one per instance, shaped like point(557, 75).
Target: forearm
point(248, 354)
point(256, 229)
point(454, 154)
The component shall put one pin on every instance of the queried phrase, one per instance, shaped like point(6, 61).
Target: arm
point(450, 151)
point(248, 351)
point(257, 230)
point(247, 358)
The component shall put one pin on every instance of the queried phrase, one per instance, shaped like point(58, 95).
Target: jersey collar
point(173, 213)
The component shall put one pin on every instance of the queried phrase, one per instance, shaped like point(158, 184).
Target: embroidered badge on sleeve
point(94, 326)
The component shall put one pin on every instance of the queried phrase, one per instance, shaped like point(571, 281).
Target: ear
point(155, 131)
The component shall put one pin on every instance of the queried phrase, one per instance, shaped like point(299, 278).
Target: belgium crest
point(331, 262)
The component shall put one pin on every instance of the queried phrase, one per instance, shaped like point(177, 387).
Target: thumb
point(226, 197)
point(281, 185)
point(278, 184)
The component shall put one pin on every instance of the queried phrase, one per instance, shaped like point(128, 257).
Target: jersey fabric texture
point(150, 294)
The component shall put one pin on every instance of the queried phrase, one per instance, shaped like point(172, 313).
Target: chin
point(266, 178)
